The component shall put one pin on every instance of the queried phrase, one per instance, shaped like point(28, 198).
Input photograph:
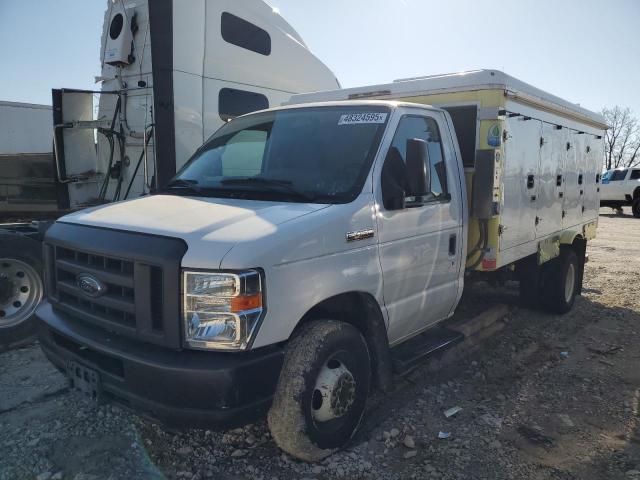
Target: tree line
point(622, 140)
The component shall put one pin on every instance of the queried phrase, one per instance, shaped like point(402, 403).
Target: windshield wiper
point(182, 184)
point(269, 182)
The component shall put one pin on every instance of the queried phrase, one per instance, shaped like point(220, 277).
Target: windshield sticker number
point(361, 118)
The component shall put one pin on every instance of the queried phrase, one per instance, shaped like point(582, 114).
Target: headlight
point(221, 310)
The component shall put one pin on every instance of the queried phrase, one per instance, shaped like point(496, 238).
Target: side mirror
point(418, 170)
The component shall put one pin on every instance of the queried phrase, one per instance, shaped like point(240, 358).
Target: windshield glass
point(315, 154)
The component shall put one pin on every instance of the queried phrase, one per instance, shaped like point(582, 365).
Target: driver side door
point(420, 247)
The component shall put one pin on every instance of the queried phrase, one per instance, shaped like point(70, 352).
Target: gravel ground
point(546, 397)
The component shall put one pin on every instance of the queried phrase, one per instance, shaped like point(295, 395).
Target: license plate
point(84, 379)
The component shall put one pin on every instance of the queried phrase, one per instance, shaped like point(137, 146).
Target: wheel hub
point(334, 392)
point(20, 291)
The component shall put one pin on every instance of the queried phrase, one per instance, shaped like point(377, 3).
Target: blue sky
point(587, 51)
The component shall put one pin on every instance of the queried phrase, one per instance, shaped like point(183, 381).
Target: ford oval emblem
point(90, 285)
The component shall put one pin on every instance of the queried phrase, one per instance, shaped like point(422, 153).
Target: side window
point(618, 175)
point(424, 128)
point(635, 175)
point(233, 103)
point(241, 33)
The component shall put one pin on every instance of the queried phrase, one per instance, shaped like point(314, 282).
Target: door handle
point(531, 181)
point(452, 244)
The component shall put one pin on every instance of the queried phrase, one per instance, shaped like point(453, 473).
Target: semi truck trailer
point(305, 253)
point(172, 73)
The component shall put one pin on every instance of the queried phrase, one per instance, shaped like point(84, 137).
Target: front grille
point(133, 301)
point(117, 305)
point(130, 281)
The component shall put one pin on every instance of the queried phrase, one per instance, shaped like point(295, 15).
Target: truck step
point(409, 354)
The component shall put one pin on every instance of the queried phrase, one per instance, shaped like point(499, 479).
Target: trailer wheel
point(635, 207)
point(322, 391)
point(21, 290)
point(561, 278)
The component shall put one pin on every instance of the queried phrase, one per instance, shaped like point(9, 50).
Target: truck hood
point(217, 223)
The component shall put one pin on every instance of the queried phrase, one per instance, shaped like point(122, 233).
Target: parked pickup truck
point(302, 255)
point(621, 188)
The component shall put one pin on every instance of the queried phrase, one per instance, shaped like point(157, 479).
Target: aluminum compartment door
point(570, 179)
point(574, 186)
point(552, 154)
point(522, 158)
point(595, 155)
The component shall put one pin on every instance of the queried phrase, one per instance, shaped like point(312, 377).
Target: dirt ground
point(545, 397)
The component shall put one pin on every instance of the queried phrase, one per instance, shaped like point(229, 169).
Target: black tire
point(316, 348)
point(18, 327)
point(635, 207)
point(561, 277)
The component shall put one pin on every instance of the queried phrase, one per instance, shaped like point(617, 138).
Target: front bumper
point(182, 389)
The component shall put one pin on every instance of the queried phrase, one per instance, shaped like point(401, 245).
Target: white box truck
point(304, 253)
point(173, 72)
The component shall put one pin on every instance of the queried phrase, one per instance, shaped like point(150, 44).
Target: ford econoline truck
point(301, 248)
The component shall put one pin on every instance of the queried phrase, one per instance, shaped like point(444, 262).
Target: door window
point(618, 175)
point(635, 175)
point(424, 128)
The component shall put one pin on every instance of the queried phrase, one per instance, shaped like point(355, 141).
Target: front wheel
point(322, 391)
point(635, 207)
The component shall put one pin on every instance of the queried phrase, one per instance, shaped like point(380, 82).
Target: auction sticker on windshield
point(360, 118)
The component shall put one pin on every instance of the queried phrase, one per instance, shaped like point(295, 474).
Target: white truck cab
point(621, 187)
point(287, 264)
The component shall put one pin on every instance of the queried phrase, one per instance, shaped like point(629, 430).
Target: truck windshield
point(315, 154)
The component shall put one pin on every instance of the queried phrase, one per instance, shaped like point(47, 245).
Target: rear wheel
point(322, 391)
point(635, 207)
point(21, 290)
point(560, 283)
